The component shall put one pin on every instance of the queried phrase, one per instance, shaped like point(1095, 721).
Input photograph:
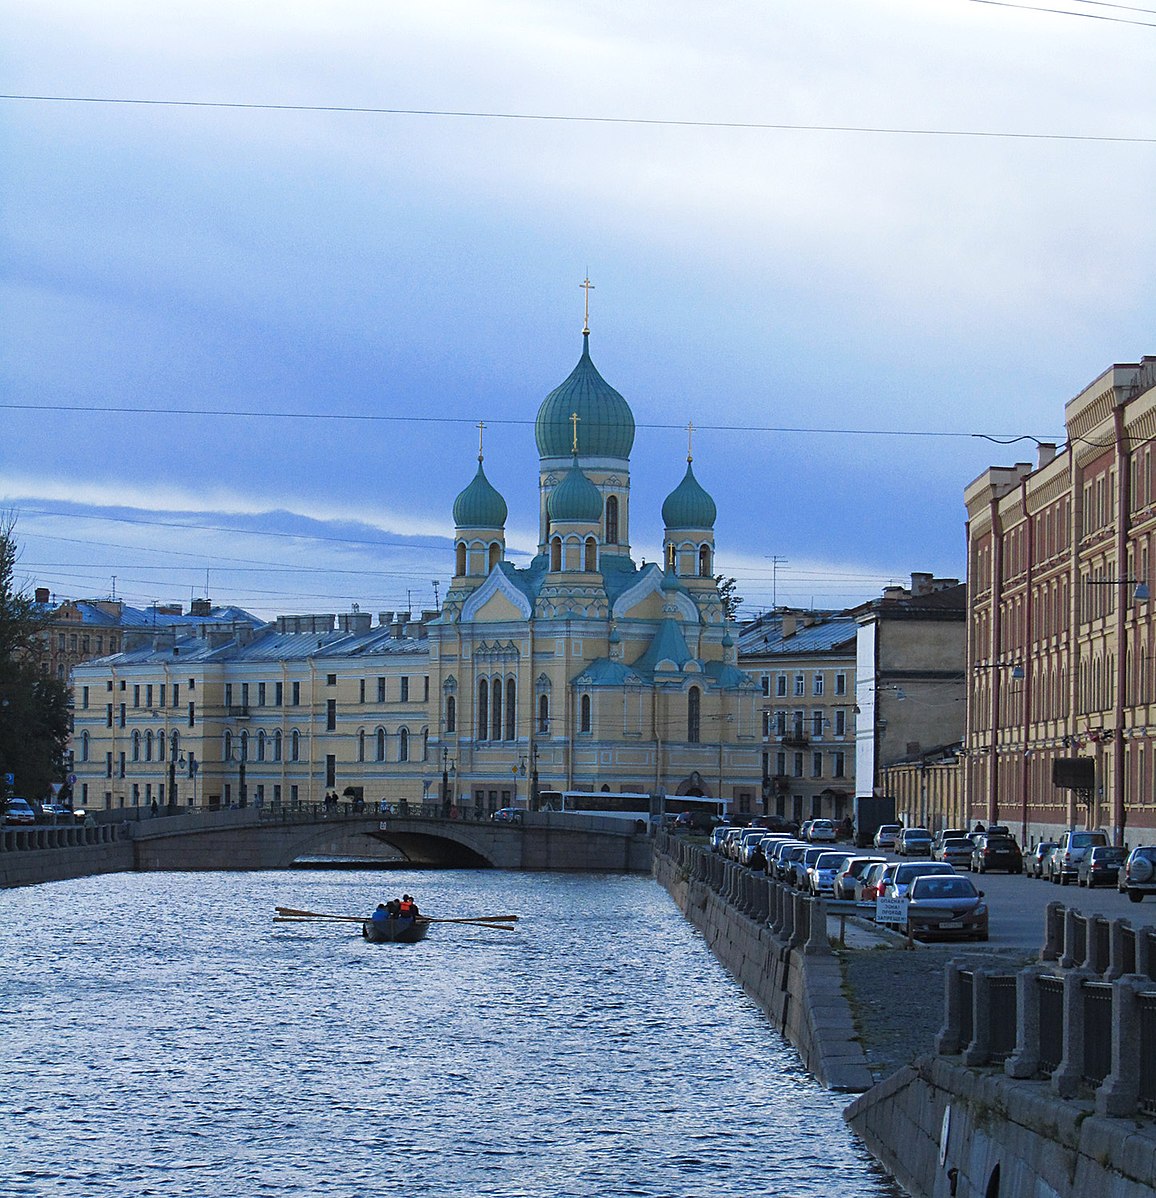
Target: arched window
point(693, 715)
point(175, 745)
point(495, 554)
point(591, 562)
point(605, 788)
point(261, 745)
point(511, 708)
point(704, 561)
point(160, 746)
point(227, 751)
point(483, 710)
point(379, 746)
point(403, 745)
point(543, 713)
point(277, 745)
point(361, 744)
point(556, 554)
point(496, 701)
point(584, 716)
point(84, 746)
point(295, 745)
point(460, 559)
point(451, 714)
point(148, 746)
point(136, 746)
point(244, 746)
point(612, 520)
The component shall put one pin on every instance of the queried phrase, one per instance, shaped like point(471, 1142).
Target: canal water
point(162, 1036)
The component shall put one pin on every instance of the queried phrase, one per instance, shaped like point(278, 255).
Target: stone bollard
point(763, 897)
point(802, 923)
point(947, 1040)
point(775, 909)
point(1053, 932)
point(1144, 961)
point(1074, 951)
point(1069, 1074)
point(978, 1052)
point(787, 915)
point(817, 940)
point(1121, 950)
point(1119, 1094)
point(1025, 1061)
point(1092, 956)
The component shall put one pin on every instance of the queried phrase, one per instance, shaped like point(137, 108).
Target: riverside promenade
point(990, 1070)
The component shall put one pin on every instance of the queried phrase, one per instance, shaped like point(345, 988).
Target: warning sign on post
point(891, 911)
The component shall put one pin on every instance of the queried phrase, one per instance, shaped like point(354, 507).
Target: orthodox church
point(584, 670)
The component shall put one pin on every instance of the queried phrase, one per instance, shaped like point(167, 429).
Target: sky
point(247, 336)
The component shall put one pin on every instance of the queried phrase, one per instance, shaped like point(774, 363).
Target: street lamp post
point(448, 768)
point(535, 792)
point(171, 797)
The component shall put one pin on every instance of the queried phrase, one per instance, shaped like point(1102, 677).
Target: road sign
point(71, 779)
point(9, 779)
point(891, 911)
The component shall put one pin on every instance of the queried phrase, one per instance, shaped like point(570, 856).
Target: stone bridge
point(252, 839)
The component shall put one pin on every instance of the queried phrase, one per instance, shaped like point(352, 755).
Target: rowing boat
point(394, 931)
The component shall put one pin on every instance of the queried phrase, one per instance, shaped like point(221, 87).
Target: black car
point(996, 852)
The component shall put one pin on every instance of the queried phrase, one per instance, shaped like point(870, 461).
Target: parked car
point(868, 883)
point(1138, 876)
point(785, 865)
point(1036, 860)
point(57, 813)
point(1100, 867)
point(947, 908)
point(997, 852)
point(821, 831)
point(886, 836)
point(716, 837)
point(914, 842)
point(956, 851)
point(821, 874)
point(20, 811)
point(507, 815)
point(775, 856)
point(849, 873)
point(1064, 859)
point(898, 876)
point(945, 835)
point(750, 848)
point(800, 865)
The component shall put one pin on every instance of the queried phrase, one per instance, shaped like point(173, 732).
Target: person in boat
point(381, 914)
point(407, 908)
point(393, 907)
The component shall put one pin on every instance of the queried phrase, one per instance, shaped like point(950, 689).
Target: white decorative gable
point(650, 583)
point(496, 584)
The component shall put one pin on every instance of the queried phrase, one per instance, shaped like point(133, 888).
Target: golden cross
point(481, 427)
point(587, 286)
point(690, 440)
point(574, 418)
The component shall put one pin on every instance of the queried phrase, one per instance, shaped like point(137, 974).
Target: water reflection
point(166, 1037)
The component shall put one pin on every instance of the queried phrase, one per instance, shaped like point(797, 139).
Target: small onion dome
point(605, 421)
point(669, 581)
point(575, 498)
point(479, 505)
point(728, 640)
point(614, 638)
point(688, 505)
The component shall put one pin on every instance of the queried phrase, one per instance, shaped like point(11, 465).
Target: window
point(781, 685)
point(780, 723)
point(295, 746)
point(136, 696)
point(766, 684)
point(766, 724)
point(483, 710)
point(148, 746)
point(176, 694)
point(403, 745)
point(451, 714)
point(704, 561)
point(798, 765)
point(780, 764)
point(108, 715)
point(279, 694)
point(556, 554)
point(84, 696)
point(840, 684)
point(261, 746)
point(136, 746)
point(817, 684)
point(425, 689)
point(121, 764)
point(404, 688)
point(331, 770)
point(612, 520)
point(331, 715)
point(84, 746)
point(694, 715)
point(244, 739)
point(543, 713)
point(425, 744)
point(245, 695)
point(460, 559)
point(838, 767)
point(330, 679)
point(379, 744)
point(123, 716)
point(511, 708)
point(228, 694)
point(381, 690)
point(817, 723)
point(277, 745)
point(108, 765)
point(800, 685)
point(148, 696)
point(584, 714)
point(162, 692)
point(260, 694)
point(495, 554)
point(816, 765)
point(496, 704)
point(297, 694)
point(840, 722)
point(192, 715)
point(591, 562)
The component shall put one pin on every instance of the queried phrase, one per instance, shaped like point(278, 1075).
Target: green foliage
point(730, 601)
point(34, 713)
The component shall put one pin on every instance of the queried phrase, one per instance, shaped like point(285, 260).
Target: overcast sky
point(245, 349)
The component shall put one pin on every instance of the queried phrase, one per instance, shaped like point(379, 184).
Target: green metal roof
point(688, 505)
point(575, 498)
point(479, 505)
point(605, 422)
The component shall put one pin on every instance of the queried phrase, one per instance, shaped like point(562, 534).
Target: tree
point(730, 601)
point(34, 714)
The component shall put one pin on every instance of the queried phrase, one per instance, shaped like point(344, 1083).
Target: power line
point(1087, 16)
point(659, 122)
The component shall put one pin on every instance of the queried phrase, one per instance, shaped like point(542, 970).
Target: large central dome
point(605, 422)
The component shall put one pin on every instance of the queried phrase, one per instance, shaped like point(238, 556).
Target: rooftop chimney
point(1047, 453)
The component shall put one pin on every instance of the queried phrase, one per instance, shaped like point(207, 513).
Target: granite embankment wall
point(29, 856)
point(775, 943)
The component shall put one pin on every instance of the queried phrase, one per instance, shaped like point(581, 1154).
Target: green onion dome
point(605, 422)
point(575, 498)
point(479, 505)
point(688, 505)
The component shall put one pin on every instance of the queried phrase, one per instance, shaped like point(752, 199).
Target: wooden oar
point(293, 911)
point(477, 923)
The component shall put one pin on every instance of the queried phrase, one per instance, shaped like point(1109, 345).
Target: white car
point(887, 835)
point(821, 831)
